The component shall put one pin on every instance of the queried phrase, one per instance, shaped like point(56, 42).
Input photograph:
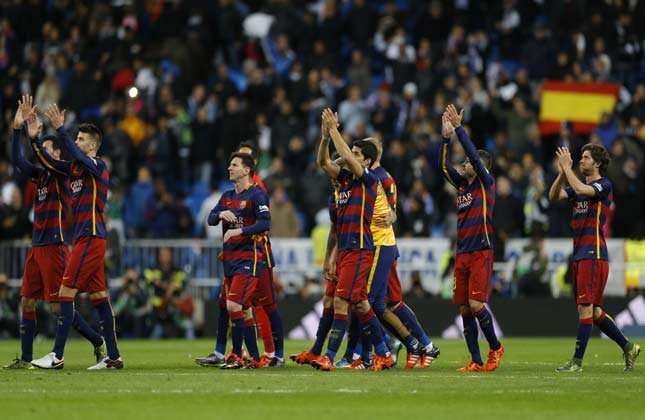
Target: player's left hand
point(34, 125)
point(231, 233)
point(454, 116)
point(56, 116)
point(384, 221)
point(564, 157)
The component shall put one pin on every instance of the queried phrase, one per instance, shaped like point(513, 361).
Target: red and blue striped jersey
point(268, 252)
point(589, 217)
point(244, 253)
point(475, 201)
point(355, 207)
point(50, 203)
point(88, 185)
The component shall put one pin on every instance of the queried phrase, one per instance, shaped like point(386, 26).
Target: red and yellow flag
point(580, 103)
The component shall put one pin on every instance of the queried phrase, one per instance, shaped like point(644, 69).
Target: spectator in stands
point(9, 303)
point(284, 222)
point(14, 218)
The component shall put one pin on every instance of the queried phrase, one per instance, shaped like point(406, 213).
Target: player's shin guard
point(585, 326)
point(237, 335)
point(85, 330)
point(323, 328)
point(409, 319)
point(277, 329)
point(609, 328)
point(222, 331)
point(370, 326)
point(471, 334)
point(106, 321)
point(65, 319)
point(251, 340)
point(486, 324)
point(27, 332)
point(336, 334)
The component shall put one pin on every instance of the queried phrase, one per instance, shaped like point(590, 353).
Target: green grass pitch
point(161, 381)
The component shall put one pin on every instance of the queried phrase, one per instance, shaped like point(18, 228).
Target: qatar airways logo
point(343, 197)
point(581, 207)
point(42, 193)
point(238, 224)
point(76, 186)
point(464, 200)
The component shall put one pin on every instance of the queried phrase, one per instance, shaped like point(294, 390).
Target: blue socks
point(336, 334)
point(585, 326)
point(65, 319)
point(354, 342)
point(238, 332)
point(409, 319)
point(27, 332)
point(323, 328)
point(277, 331)
point(222, 330)
point(85, 330)
point(609, 328)
point(471, 334)
point(106, 320)
point(251, 339)
point(371, 327)
point(486, 324)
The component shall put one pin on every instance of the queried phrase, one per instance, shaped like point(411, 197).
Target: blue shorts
point(377, 282)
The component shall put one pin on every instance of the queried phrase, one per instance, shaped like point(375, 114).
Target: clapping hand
point(447, 130)
point(564, 157)
point(56, 116)
point(454, 116)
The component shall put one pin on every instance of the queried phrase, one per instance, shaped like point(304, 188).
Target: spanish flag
point(580, 103)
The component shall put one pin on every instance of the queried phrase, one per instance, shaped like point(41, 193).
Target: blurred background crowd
point(176, 85)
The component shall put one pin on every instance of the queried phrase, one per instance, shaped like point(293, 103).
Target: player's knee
point(475, 305)
point(585, 311)
point(54, 307)
point(248, 314)
point(68, 292)
point(597, 312)
point(28, 304)
point(233, 306)
point(362, 307)
point(394, 306)
point(97, 296)
point(328, 302)
point(341, 306)
point(465, 310)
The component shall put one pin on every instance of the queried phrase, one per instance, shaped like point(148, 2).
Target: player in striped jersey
point(48, 255)
point(384, 275)
point(591, 201)
point(85, 272)
point(474, 258)
point(355, 207)
point(246, 218)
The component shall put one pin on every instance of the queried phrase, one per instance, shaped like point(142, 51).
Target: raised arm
point(557, 192)
point(57, 167)
point(341, 147)
point(57, 119)
point(467, 143)
point(566, 163)
point(448, 172)
point(17, 157)
point(323, 159)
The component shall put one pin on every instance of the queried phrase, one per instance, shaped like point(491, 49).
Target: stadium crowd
point(205, 82)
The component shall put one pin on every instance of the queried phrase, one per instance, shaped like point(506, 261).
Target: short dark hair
point(250, 145)
point(247, 161)
point(368, 150)
point(599, 154)
point(486, 158)
point(57, 143)
point(92, 130)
